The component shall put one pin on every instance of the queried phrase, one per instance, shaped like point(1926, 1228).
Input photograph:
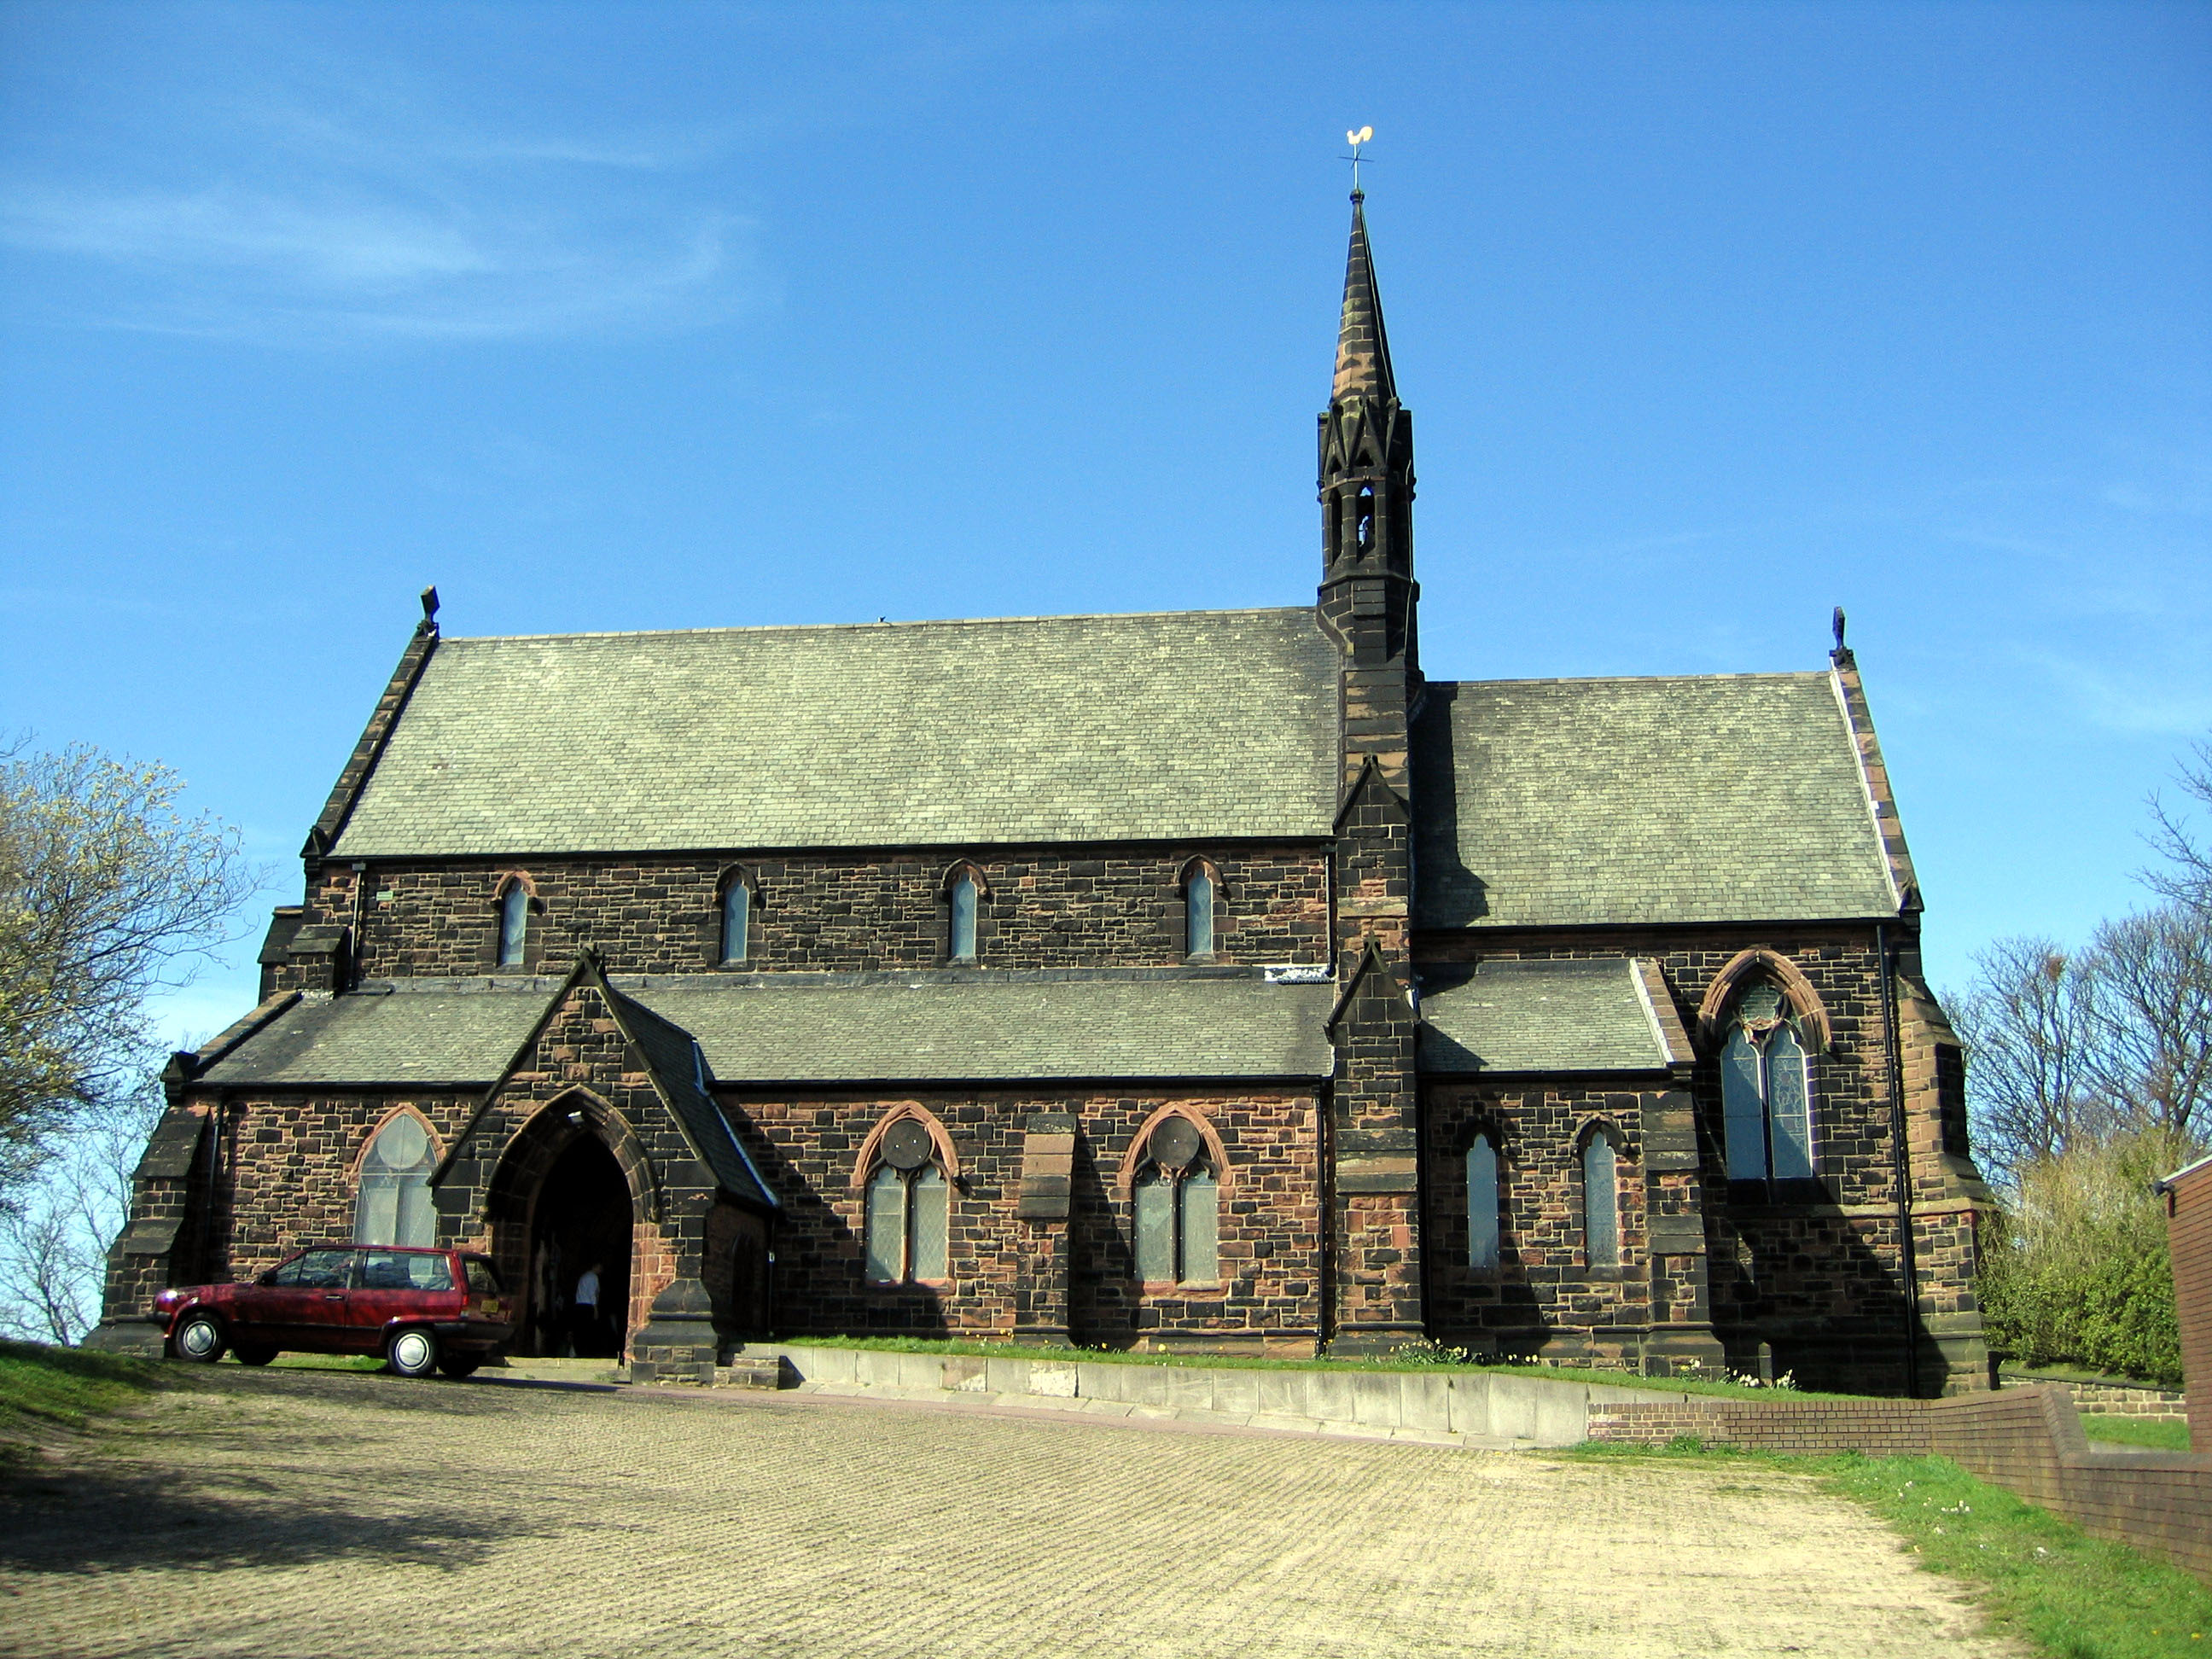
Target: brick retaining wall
point(2112, 1399)
point(2028, 1440)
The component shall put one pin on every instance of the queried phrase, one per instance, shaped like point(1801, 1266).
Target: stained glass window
point(394, 1203)
point(1198, 914)
point(1199, 1206)
point(1177, 1199)
point(929, 1203)
point(886, 1226)
point(1600, 1205)
point(1482, 1204)
point(514, 923)
point(1155, 1226)
point(737, 919)
point(1766, 1091)
point(964, 919)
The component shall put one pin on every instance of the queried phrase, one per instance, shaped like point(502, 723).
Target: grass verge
point(2035, 1574)
point(1421, 1362)
point(43, 1388)
point(2139, 1431)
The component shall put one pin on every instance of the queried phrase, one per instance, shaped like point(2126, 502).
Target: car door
point(301, 1304)
point(400, 1286)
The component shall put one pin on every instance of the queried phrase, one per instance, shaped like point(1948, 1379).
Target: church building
point(1209, 980)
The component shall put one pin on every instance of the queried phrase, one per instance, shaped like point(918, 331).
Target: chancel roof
point(1688, 798)
point(1194, 725)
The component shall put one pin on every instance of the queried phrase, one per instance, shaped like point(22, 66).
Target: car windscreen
point(482, 1280)
point(404, 1270)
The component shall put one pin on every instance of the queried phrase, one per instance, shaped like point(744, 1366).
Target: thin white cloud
point(2175, 703)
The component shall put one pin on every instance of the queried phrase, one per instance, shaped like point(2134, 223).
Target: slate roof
point(676, 1061)
point(1703, 797)
point(446, 1033)
point(1183, 725)
point(810, 1028)
point(1582, 1015)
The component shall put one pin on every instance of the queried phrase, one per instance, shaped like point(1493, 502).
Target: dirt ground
point(302, 1515)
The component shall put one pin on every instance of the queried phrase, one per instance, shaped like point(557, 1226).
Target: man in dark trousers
point(585, 1312)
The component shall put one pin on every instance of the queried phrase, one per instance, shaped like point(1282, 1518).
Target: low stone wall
point(1534, 1410)
point(2111, 1399)
point(2028, 1440)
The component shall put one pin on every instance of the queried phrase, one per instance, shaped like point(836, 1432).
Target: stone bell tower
point(1368, 600)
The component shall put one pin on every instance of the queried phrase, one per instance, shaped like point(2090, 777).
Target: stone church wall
point(1106, 907)
point(1269, 1296)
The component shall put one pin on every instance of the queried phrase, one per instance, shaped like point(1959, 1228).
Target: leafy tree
point(107, 893)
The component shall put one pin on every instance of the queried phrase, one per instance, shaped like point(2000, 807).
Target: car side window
point(404, 1270)
point(483, 1281)
point(316, 1270)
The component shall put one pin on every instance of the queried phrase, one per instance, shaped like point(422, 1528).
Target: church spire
point(1366, 482)
point(1363, 349)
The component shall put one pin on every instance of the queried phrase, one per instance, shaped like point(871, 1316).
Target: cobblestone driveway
point(306, 1515)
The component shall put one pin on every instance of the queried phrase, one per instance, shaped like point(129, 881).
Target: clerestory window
point(909, 1208)
point(961, 918)
point(736, 922)
point(514, 924)
point(1198, 893)
point(1766, 1091)
point(1178, 1197)
point(393, 1205)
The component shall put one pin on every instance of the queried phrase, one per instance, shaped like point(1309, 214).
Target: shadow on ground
point(90, 1506)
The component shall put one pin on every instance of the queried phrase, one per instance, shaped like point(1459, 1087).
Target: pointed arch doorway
point(571, 1190)
point(581, 1225)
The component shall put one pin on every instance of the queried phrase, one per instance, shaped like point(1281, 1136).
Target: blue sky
point(626, 316)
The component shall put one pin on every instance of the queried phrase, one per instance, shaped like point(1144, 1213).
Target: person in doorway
point(585, 1335)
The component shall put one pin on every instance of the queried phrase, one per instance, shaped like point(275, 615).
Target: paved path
point(306, 1515)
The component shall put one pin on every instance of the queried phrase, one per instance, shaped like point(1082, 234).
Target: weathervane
point(1356, 139)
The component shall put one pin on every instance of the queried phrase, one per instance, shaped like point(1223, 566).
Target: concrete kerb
point(1468, 1408)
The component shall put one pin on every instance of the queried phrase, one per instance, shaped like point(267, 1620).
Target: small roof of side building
point(1552, 1017)
point(1682, 799)
point(815, 1030)
point(1193, 725)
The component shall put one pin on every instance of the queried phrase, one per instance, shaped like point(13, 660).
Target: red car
point(424, 1310)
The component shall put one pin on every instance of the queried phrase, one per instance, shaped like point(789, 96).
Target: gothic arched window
point(1482, 1204)
point(1600, 1201)
point(960, 896)
point(1201, 907)
point(1177, 1202)
point(737, 922)
point(1766, 1090)
point(394, 1203)
point(514, 923)
point(909, 1207)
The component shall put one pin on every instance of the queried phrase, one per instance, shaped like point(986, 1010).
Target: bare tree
point(106, 894)
point(2150, 1013)
point(2028, 1026)
point(54, 1236)
point(2189, 878)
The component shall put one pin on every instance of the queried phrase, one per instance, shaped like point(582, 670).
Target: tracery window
point(1601, 1202)
point(393, 1205)
point(909, 1208)
point(1177, 1202)
point(514, 924)
point(1482, 1228)
point(1766, 1092)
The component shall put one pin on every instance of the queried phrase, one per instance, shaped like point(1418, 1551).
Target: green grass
point(42, 1389)
point(2035, 1576)
point(2139, 1431)
point(1242, 1362)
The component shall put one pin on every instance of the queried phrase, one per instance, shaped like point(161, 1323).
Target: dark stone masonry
point(1200, 980)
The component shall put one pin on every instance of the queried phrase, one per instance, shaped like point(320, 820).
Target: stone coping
point(1471, 1408)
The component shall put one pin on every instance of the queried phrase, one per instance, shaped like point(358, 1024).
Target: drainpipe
point(1903, 1159)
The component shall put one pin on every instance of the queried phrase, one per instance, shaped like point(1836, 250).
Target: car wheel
point(412, 1353)
point(200, 1339)
point(252, 1353)
point(459, 1366)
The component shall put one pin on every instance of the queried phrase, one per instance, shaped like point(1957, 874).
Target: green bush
point(2077, 1273)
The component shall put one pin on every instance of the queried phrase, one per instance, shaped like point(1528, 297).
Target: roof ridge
point(1641, 679)
point(917, 622)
